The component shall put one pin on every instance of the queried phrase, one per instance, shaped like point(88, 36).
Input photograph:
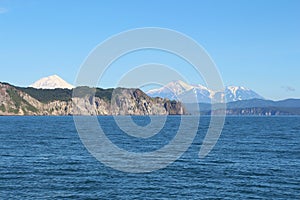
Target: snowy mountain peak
point(182, 84)
point(178, 90)
point(178, 86)
point(171, 90)
point(236, 88)
point(200, 87)
point(237, 93)
point(51, 82)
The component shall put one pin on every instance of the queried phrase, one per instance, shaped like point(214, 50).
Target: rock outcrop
point(121, 101)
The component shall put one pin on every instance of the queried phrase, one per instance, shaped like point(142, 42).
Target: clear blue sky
point(255, 44)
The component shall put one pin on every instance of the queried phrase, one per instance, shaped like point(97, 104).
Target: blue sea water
point(255, 158)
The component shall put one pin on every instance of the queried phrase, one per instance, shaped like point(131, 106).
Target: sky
point(255, 44)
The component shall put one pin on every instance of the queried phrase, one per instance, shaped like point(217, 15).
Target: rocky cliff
point(83, 101)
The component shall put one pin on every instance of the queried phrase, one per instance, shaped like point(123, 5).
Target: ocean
point(42, 157)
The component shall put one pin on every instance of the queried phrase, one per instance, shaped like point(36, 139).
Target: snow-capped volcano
point(237, 93)
point(171, 90)
point(51, 82)
point(178, 90)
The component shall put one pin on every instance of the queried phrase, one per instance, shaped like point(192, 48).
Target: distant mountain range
point(250, 107)
point(53, 96)
point(239, 100)
point(177, 90)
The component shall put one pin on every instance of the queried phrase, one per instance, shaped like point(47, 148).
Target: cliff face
point(16, 101)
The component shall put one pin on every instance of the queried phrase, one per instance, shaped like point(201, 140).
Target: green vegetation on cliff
point(47, 95)
point(2, 108)
point(15, 97)
point(19, 102)
point(104, 94)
